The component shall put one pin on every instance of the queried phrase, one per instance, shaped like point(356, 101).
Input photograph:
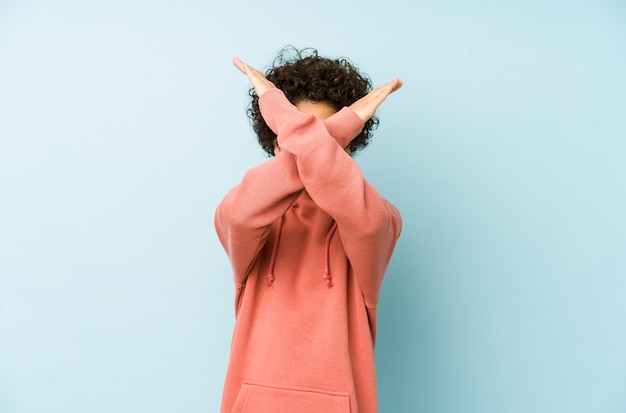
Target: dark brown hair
point(304, 75)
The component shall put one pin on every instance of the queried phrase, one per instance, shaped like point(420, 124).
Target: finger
point(395, 84)
point(375, 96)
point(239, 64)
point(248, 70)
point(392, 85)
point(385, 89)
point(252, 73)
point(379, 94)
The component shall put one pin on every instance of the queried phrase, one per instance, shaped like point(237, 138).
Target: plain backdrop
point(122, 124)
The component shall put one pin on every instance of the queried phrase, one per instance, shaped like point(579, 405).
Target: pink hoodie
point(309, 241)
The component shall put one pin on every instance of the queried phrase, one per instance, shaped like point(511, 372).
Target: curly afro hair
point(305, 76)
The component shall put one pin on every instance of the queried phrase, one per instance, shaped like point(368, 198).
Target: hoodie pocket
point(260, 398)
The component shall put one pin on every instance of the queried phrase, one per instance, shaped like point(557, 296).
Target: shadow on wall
point(407, 353)
point(410, 348)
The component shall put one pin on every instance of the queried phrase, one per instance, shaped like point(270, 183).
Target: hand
point(256, 77)
point(367, 105)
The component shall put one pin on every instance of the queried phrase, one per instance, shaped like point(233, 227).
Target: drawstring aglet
point(328, 280)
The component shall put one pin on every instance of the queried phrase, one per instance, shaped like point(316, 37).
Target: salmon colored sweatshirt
point(309, 241)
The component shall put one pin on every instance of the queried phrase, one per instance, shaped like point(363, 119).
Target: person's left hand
point(256, 77)
point(367, 105)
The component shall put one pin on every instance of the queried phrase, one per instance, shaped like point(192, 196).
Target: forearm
point(369, 226)
point(278, 113)
point(329, 174)
point(244, 217)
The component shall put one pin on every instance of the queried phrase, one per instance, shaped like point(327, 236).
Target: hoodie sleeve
point(244, 217)
point(368, 224)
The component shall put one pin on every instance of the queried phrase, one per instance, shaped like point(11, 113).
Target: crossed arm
point(311, 159)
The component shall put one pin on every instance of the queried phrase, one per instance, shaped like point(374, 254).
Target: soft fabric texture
point(309, 241)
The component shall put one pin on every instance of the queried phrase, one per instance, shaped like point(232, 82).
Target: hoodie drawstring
point(269, 279)
point(327, 279)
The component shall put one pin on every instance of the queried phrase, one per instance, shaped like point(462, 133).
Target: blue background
point(122, 124)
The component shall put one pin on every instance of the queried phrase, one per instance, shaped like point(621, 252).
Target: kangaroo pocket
point(260, 398)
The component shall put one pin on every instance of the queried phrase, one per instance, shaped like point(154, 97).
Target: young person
point(309, 241)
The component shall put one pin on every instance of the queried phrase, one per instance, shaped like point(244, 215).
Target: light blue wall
point(122, 124)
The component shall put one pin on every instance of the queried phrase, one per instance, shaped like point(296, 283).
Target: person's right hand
point(367, 105)
point(256, 77)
